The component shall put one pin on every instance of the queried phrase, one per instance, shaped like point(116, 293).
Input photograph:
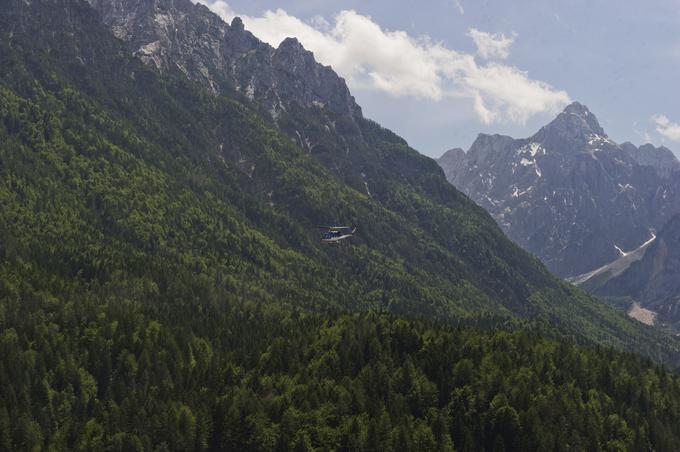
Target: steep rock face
point(569, 194)
point(178, 35)
point(654, 281)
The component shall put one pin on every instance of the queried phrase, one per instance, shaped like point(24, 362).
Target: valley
point(163, 285)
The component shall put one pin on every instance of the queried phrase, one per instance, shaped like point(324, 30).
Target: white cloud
point(372, 58)
point(666, 128)
point(491, 45)
point(505, 93)
point(219, 7)
point(459, 5)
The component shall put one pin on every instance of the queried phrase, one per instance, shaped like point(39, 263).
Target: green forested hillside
point(161, 281)
point(111, 172)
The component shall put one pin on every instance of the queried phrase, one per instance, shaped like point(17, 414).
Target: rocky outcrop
point(569, 194)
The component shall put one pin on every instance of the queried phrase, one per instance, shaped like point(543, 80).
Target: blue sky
point(439, 72)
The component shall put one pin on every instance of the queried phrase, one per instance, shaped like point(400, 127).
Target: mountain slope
point(591, 281)
point(654, 280)
point(569, 194)
point(153, 177)
point(309, 103)
point(470, 252)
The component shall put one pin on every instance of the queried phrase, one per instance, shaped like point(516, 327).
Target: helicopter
point(331, 234)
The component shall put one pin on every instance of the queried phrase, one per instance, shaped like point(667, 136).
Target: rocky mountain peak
point(452, 159)
point(569, 194)
point(295, 55)
point(236, 42)
point(576, 126)
point(577, 112)
point(495, 141)
point(452, 153)
point(237, 25)
point(578, 109)
point(291, 44)
point(489, 147)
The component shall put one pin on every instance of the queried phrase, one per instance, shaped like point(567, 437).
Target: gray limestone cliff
point(654, 280)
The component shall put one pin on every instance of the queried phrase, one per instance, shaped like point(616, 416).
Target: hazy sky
point(439, 72)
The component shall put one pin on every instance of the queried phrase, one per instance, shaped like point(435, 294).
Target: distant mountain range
point(570, 194)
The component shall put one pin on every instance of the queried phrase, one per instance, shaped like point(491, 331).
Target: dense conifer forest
point(128, 376)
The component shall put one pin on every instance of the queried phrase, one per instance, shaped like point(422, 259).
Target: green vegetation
point(131, 376)
point(162, 285)
point(111, 173)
